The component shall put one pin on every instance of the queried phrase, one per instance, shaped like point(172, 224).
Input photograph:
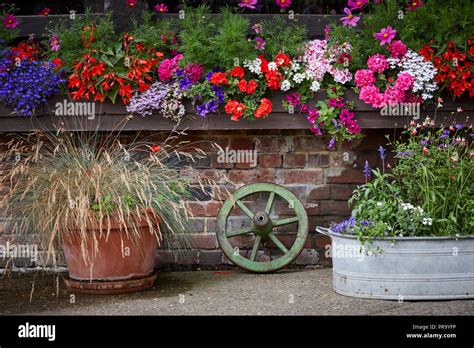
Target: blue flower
point(185, 84)
point(382, 152)
point(367, 171)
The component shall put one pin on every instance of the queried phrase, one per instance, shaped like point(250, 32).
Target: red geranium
point(264, 109)
point(219, 78)
point(247, 87)
point(282, 60)
point(238, 72)
point(234, 108)
point(274, 79)
point(263, 64)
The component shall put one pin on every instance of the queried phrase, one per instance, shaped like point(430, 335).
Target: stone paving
point(229, 292)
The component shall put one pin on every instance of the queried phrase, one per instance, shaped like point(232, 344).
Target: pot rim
point(331, 233)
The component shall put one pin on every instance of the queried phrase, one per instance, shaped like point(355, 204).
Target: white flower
point(295, 66)
point(315, 86)
point(285, 85)
point(272, 66)
point(298, 78)
point(427, 221)
point(253, 66)
point(379, 204)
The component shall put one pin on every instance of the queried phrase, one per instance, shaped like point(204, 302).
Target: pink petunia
point(162, 8)
point(248, 3)
point(283, 3)
point(386, 35)
point(260, 43)
point(10, 22)
point(356, 4)
point(350, 20)
point(377, 63)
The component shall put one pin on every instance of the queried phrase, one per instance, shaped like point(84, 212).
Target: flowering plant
point(428, 193)
point(403, 77)
point(119, 69)
point(455, 69)
point(26, 83)
point(8, 24)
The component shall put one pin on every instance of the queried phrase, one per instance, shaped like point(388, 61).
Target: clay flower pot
point(122, 264)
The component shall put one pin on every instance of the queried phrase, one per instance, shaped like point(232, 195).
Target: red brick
point(321, 241)
point(341, 192)
point(207, 209)
point(208, 257)
point(271, 145)
point(216, 164)
point(334, 208)
point(294, 160)
point(252, 176)
point(213, 175)
point(345, 176)
point(320, 192)
point(269, 160)
point(241, 143)
point(308, 143)
point(319, 160)
point(288, 176)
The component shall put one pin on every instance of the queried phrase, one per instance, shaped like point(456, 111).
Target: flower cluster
point(165, 98)
point(25, 85)
point(454, 67)
point(320, 59)
point(423, 73)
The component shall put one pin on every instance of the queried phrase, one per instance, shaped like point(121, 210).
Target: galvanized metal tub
point(411, 268)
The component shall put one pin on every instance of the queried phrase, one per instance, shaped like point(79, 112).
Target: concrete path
point(235, 292)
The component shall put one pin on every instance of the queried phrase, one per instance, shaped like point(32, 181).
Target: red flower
point(155, 148)
point(273, 79)
point(282, 60)
point(234, 108)
point(238, 72)
point(219, 78)
point(44, 12)
point(414, 4)
point(131, 3)
point(263, 64)
point(252, 87)
point(264, 109)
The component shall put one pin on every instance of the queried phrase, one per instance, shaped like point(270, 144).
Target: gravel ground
point(234, 292)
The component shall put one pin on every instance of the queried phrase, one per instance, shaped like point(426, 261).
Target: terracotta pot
point(110, 263)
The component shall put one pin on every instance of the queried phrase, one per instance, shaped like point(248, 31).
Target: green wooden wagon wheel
point(262, 226)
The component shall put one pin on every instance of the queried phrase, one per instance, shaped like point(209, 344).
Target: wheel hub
point(262, 224)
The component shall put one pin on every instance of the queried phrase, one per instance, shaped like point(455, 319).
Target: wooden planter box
point(110, 117)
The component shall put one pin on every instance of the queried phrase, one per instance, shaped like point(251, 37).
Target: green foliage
point(281, 35)
point(157, 34)
point(75, 33)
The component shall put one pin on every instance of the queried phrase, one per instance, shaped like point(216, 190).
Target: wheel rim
point(262, 227)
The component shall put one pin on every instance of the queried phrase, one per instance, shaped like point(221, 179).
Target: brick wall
point(323, 181)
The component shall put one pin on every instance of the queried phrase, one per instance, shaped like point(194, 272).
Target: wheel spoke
point(244, 208)
point(255, 248)
point(285, 221)
point(239, 232)
point(270, 203)
point(279, 244)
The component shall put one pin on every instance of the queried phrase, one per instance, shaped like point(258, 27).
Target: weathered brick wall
point(323, 180)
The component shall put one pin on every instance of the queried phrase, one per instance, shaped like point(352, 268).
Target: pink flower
point(248, 3)
point(162, 8)
point(371, 95)
point(394, 95)
point(131, 3)
point(356, 4)
point(404, 81)
point(257, 28)
point(315, 130)
point(55, 43)
point(313, 114)
point(168, 67)
point(364, 77)
point(397, 49)
point(350, 20)
point(414, 4)
point(386, 35)
point(377, 63)
point(283, 3)
point(10, 22)
point(260, 43)
point(194, 72)
point(327, 31)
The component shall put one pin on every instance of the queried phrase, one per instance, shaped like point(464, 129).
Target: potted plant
point(411, 233)
point(108, 205)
